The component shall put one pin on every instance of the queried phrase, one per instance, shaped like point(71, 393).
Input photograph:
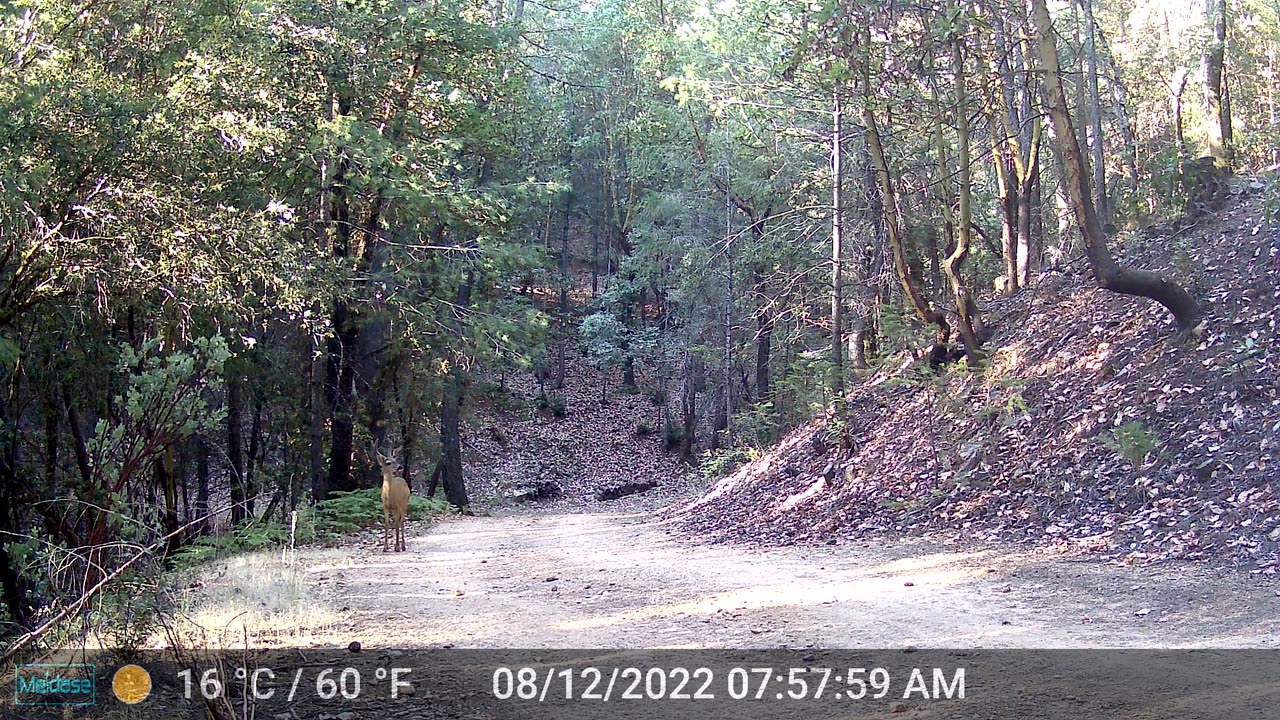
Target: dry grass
point(258, 598)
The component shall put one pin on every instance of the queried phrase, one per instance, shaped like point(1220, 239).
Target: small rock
point(832, 541)
point(553, 578)
point(460, 593)
point(829, 472)
point(898, 707)
point(908, 584)
point(1006, 589)
point(1143, 612)
point(354, 646)
point(395, 653)
point(405, 690)
point(1005, 622)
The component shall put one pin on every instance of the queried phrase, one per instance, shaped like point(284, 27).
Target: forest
point(250, 247)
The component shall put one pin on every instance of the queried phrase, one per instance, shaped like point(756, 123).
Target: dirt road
point(562, 579)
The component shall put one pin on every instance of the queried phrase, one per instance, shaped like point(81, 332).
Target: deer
point(395, 501)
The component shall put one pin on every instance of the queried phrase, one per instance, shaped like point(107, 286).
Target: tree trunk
point(764, 340)
point(1110, 276)
point(451, 469)
point(691, 380)
point(451, 476)
point(1217, 118)
point(880, 283)
point(1177, 85)
point(1120, 108)
point(954, 265)
point(1008, 214)
point(341, 396)
point(167, 483)
point(1028, 246)
point(1097, 140)
point(315, 430)
point(837, 245)
point(910, 287)
point(406, 390)
point(202, 484)
point(235, 456)
point(567, 210)
point(255, 450)
point(12, 585)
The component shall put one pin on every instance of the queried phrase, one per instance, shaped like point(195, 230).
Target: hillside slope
point(1094, 426)
point(606, 438)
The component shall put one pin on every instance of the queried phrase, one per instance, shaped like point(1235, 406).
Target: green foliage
point(758, 426)
point(502, 398)
point(1132, 441)
point(554, 404)
point(166, 401)
point(347, 512)
point(1271, 200)
point(672, 436)
point(125, 617)
point(249, 538)
point(604, 339)
point(718, 463)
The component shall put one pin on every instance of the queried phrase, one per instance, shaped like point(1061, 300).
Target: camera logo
point(65, 684)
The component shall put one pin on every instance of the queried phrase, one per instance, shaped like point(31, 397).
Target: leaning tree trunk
point(1110, 276)
point(910, 286)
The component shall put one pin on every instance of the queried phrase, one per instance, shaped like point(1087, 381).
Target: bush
point(657, 396)
point(718, 463)
point(248, 538)
point(1132, 440)
point(347, 512)
point(672, 435)
point(554, 404)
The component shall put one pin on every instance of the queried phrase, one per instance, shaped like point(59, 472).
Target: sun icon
point(131, 684)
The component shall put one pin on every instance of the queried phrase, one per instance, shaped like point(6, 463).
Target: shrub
point(1132, 440)
point(347, 512)
point(255, 536)
point(554, 404)
point(672, 435)
point(657, 396)
point(718, 463)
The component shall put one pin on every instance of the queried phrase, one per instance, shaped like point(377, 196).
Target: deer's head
point(388, 464)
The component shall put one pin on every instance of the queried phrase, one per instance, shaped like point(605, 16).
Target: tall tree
point(1186, 311)
point(1217, 109)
